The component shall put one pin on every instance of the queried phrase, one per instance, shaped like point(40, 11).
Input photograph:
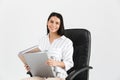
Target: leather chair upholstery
point(81, 39)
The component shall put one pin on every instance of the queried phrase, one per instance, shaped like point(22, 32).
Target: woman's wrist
point(60, 64)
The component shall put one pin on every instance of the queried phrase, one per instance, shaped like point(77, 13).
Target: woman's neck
point(53, 36)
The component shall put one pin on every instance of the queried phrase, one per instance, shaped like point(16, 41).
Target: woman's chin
point(53, 31)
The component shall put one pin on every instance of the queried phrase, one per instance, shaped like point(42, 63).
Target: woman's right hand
point(27, 67)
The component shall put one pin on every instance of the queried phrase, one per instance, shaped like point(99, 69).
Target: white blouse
point(61, 49)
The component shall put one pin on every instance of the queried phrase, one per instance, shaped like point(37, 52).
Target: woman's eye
point(57, 23)
point(51, 21)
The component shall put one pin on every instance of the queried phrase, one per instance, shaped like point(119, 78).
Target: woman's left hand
point(52, 62)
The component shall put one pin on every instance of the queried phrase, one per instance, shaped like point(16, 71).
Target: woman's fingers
point(51, 62)
point(27, 67)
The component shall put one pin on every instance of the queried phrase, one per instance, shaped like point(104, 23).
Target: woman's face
point(53, 24)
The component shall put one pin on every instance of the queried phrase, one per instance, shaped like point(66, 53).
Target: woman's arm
point(34, 50)
point(68, 56)
point(67, 60)
point(30, 50)
point(20, 55)
point(52, 62)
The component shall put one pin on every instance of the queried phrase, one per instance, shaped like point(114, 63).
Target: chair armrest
point(74, 73)
point(29, 73)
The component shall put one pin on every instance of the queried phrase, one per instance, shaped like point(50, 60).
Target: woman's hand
point(52, 62)
point(27, 67)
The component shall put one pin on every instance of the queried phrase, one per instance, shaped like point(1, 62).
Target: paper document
point(38, 65)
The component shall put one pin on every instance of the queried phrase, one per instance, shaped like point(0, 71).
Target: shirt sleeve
point(68, 56)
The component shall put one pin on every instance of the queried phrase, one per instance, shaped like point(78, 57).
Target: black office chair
point(82, 46)
point(81, 39)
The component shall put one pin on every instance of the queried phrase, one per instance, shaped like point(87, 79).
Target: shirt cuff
point(67, 65)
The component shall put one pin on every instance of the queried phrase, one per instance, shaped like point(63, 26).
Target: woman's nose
point(54, 24)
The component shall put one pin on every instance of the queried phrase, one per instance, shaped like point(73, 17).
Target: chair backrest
point(82, 45)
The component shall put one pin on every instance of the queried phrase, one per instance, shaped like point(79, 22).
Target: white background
point(22, 22)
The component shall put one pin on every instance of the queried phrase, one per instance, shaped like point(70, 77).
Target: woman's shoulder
point(66, 39)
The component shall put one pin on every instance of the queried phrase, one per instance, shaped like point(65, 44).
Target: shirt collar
point(62, 37)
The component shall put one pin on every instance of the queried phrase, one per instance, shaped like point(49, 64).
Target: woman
point(60, 47)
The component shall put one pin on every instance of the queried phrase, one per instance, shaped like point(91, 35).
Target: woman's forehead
point(54, 18)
